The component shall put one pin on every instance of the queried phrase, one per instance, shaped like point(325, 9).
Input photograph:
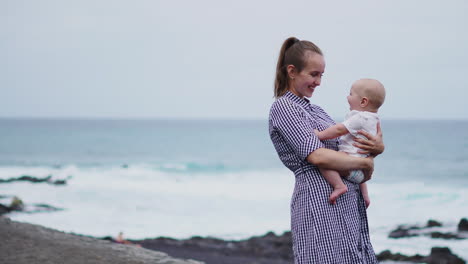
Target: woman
point(322, 233)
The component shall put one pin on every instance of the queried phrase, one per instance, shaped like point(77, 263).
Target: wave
point(43, 169)
point(192, 167)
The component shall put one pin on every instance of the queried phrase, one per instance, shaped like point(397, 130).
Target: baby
point(365, 98)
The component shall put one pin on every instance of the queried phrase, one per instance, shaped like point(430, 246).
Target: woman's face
point(304, 83)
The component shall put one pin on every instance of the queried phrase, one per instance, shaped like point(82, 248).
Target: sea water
point(180, 178)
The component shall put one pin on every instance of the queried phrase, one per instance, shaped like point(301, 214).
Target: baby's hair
point(373, 90)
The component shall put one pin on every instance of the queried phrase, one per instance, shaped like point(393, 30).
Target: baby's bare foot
point(339, 190)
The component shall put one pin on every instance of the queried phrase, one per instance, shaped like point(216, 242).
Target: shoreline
point(28, 243)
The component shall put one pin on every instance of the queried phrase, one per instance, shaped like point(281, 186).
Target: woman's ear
point(291, 71)
point(364, 101)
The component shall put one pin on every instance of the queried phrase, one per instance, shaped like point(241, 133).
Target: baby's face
point(354, 99)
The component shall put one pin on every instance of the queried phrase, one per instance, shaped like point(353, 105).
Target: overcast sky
point(216, 59)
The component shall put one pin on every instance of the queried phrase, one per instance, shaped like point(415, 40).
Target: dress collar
point(300, 101)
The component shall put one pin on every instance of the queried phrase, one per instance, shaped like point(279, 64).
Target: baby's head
point(366, 95)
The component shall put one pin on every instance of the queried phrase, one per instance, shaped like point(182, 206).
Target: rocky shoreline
point(268, 249)
point(27, 243)
point(16, 204)
point(430, 230)
point(438, 255)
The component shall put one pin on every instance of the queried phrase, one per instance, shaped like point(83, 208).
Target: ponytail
point(292, 52)
point(281, 80)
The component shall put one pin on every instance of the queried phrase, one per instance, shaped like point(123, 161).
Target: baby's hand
point(316, 132)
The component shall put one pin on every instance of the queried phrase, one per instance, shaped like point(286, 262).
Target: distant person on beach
point(120, 239)
point(365, 98)
point(322, 232)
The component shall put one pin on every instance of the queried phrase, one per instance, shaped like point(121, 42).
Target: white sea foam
point(145, 202)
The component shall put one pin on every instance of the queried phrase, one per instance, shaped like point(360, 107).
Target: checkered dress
point(322, 233)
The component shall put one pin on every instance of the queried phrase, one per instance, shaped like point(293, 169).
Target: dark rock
point(15, 205)
point(4, 209)
point(388, 255)
point(442, 255)
point(41, 208)
point(401, 232)
point(269, 245)
point(108, 238)
point(433, 223)
point(36, 180)
point(18, 205)
point(385, 255)
point(463, 225)
point(437, 256)
point(59, 182)
point(445, 235)
point(268, 249)
point(32, 179)
point(24, 243)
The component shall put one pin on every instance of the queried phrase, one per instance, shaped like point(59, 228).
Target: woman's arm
point(373, 145)
point(340, 161)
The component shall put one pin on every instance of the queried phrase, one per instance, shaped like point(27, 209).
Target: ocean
point(220, 178)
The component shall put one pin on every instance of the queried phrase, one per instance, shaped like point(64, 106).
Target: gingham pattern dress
point(322, 233)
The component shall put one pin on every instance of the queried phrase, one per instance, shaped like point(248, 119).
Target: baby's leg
point(334, 179)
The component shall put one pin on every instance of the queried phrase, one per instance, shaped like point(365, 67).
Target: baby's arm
point(332, 132)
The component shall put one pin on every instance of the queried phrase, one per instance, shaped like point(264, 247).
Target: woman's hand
point(370, 169)
point(373, 145)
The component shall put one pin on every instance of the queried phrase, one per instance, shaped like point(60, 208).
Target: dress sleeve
point(291, 122)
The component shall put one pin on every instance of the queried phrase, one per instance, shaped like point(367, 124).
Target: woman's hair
point(293, 52)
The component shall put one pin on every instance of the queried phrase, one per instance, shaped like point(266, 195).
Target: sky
point(214, 59)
